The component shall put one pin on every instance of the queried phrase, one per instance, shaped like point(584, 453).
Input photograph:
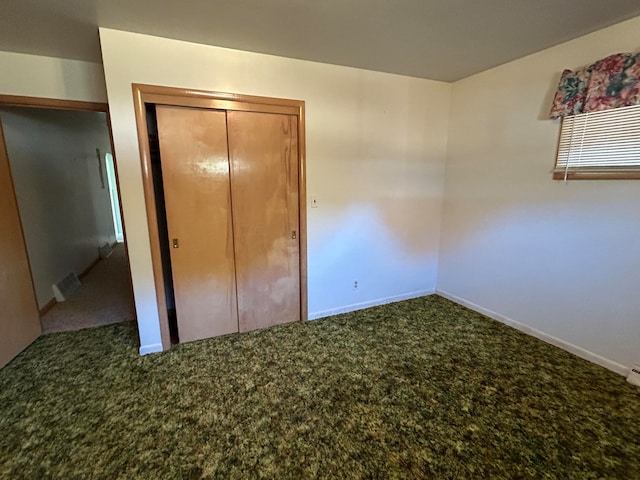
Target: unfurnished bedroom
point(319, 240)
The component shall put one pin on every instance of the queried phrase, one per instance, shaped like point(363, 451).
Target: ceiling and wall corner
point(436, 39)
point(558, 258)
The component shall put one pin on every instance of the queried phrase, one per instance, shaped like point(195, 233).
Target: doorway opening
point(64, 176)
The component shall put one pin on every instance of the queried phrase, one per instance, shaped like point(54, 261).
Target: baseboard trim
point(151, 348)
point(570, 347)
point(371, 303)
point(88, 269)
point(48, 306)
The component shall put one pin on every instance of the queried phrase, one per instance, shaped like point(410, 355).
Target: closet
point(231, 196)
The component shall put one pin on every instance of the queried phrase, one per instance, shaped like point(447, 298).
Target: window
point(603, 144)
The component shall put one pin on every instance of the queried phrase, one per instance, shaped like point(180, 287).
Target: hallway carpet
point(420, 389)
point(104, 297)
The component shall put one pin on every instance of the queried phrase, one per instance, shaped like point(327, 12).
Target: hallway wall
point(65, 211)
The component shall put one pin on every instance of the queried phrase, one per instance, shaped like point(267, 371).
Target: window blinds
point(605, 142)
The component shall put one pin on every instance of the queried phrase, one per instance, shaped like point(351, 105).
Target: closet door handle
point(293, 234)
point(175, 243)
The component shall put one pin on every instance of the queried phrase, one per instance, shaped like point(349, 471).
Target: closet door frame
point(182, 97)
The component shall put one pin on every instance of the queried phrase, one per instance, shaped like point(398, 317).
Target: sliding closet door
point(19, 320)
point(263, 152)
point(195, 172)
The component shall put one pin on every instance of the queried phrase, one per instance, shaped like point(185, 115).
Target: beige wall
point(376, 145)
point(559, 258)
point(48, 77)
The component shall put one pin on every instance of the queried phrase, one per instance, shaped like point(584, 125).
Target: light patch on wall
point(362, 246)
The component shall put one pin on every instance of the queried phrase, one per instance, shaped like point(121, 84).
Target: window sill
point(598, 175)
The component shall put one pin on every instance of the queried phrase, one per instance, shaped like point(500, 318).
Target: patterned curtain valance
point(612, 82)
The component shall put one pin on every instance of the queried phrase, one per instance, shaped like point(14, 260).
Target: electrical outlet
point(355, 284)
point(634, 375)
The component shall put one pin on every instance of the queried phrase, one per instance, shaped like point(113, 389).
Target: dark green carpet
point(417, 389)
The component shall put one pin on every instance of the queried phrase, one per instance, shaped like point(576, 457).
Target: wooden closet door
point(263, 153)
point(195, 172)
point(20, 319)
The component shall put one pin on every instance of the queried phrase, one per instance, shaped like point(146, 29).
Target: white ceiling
point(437, 39)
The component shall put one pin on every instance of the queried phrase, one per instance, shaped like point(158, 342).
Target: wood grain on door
point(263, 153)
point(195, 170)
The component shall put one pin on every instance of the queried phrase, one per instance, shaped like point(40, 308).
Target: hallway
point(104, 297)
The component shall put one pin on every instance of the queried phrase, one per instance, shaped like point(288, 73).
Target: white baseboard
point(570, 347)
point(152, 348)
point(371, 303)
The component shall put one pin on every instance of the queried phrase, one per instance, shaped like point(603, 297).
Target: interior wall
point(49, 77)
point(376, 145)
point(64, 206)
point(559, 258)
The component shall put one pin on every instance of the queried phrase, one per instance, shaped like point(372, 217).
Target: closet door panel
point(195, 171)
point(263, 153)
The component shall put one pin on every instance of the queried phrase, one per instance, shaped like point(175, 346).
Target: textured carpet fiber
point(417, 389)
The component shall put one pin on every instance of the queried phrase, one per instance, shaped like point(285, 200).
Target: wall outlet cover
point(634, 375)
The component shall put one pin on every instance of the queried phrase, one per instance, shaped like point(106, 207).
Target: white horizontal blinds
point(605, 141)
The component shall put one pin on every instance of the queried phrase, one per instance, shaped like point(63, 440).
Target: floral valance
point(612, 82)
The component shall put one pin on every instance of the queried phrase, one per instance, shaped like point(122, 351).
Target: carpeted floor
point(104, 297)
point(417, 389)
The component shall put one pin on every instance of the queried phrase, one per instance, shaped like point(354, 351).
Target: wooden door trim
point(185, 97)
point(53, 103)
point(180, 94)
point(220, 104)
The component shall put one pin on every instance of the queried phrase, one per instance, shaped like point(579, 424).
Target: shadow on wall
point(565, 263)
point(64, 209)
point(381, 246)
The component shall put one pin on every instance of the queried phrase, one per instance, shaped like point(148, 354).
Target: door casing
point(181, 97)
